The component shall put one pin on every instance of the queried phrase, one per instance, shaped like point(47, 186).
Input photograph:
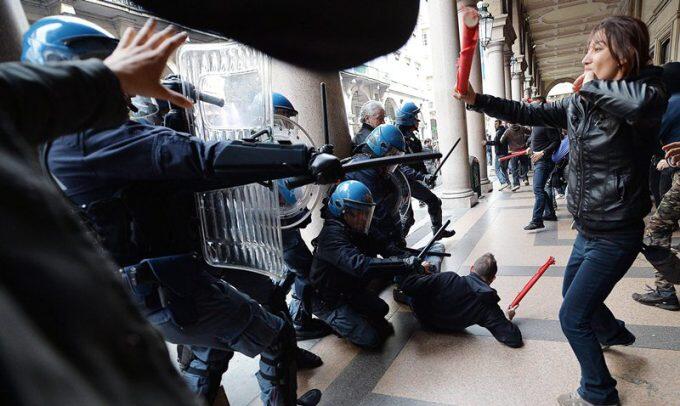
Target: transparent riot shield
point(296, 205)
point(241, 226)
point(402, 200)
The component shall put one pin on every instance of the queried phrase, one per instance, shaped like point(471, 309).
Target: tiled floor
point(424, 368)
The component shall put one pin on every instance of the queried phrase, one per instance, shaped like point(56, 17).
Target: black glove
point(430, 180)
point(415, 264)
point(327, 149)
point(325, 168)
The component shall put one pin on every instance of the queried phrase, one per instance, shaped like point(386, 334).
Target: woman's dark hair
point(628, 41)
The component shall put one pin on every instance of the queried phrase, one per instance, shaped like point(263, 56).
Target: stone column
point(494, 75)
point(451, 122)
point(506, 73)
point(302, 88)
point(517, 86)
point(527, 86)
point(14, 24)
point(475, 121)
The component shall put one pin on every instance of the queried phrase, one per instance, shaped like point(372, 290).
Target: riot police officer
point(407, 121)
point(296, 254)
point(386, 229)
point(135, 187)
point(345, 259)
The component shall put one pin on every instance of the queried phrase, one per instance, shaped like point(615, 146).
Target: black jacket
point(413, 146)
point(67, 322)
point(545, 139)
point(449, 302)
point(344, 261)
point(360, 137)
point(612, 127)
point(500, 148)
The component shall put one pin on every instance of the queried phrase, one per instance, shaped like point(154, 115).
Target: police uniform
point(135, 187)
point(416, 174)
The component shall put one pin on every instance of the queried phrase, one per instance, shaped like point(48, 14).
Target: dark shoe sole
point(549, 218)
point(665, 306)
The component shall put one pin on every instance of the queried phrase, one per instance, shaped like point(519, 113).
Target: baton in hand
point(368, 164)
point(435, 237)
point(448, 154)
point(531, 282)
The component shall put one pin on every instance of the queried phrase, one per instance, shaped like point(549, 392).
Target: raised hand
point(140, 58)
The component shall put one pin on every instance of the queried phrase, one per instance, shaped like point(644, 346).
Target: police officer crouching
point(344, 261)
point(135, 187)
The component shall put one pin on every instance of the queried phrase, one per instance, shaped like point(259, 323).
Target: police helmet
point(408, 114)
point(352, 201)
point(386, 140)
point(283, 106)
point(63, 38)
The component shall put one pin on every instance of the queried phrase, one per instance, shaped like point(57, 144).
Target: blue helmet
point(281, 102)
point(385, 140)
point(62, 38)
point(408, 114)
point(353, 198)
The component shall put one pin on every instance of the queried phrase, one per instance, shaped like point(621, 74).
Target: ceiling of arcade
point(560, 29)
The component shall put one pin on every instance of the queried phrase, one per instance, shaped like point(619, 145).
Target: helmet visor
point(358, 216)
point(87, 47)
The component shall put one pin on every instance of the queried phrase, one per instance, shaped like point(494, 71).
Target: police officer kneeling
point(344, 260)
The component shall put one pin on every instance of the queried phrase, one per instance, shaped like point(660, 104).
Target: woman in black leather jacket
point(612, 121)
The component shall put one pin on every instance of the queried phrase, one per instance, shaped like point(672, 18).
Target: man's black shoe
point(550, 218)
point(444, 234)
point(307, 360)
point(533, 226)
point(311, 398)
point(311, 329)
point(660, 299)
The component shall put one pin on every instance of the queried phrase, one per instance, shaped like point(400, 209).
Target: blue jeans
point(516, 170)
point(595, 266)
point(542, 203)
point(501, 170)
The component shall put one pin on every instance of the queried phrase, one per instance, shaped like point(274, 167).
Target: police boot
point(307, 359)
point(663, 299)
point(278, 372)
point(311, 328)
point(310, 398)
point(444, 233)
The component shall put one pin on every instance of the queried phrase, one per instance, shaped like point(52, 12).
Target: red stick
point(513, 155)
point(531, 282)
point(470, 36)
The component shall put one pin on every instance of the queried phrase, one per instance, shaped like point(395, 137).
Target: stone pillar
point(527, 86)
point(494, 75)
point(14, 24)
point(517, 86)
point(506, 73)
point(475, 121)
point(302, 88)
point(451, 121)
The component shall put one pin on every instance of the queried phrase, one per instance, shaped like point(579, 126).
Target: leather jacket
point(612, 126)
